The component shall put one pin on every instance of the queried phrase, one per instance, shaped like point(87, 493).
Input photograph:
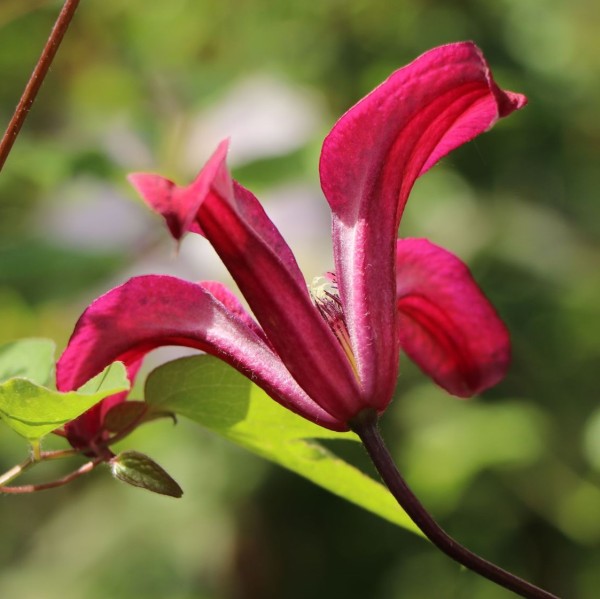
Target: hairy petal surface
point(151, 311)
point(265, 270)
point(369, 163)
point(233, 304)
point(445, 323)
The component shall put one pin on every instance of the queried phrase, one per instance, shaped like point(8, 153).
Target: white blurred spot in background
point(264, 117)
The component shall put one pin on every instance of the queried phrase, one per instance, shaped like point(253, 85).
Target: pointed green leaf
point(112, 377)
point(139, 470)
point(31, 359)
point(34, 411)
point(216, 396)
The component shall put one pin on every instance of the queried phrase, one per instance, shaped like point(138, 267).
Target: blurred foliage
point(515, 475)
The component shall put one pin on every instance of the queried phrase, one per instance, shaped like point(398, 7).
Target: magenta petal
point(369, 163)
point(233, 304)
point(424, 110)
point(179, 205)
point(445, 323)
point(266, 272)
point(152, 311)
point(268, 276)
point(89, 426)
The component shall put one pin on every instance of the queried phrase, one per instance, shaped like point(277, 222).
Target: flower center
point(325, 295)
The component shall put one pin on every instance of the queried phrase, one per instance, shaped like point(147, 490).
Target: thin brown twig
point(37, 78)
point(100, 449)
point(58, 454)
point(87, 467)
point(16, 471)
point(32, 460)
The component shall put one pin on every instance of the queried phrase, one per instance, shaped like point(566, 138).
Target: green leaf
point(112, 377)
point(129, 414)
point(139, 470)
point(218, 397)
point(34, 411)
point(31, 359)
point(125, 415)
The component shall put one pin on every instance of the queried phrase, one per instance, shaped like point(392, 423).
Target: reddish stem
point(87, 467)
point(365, 426)
point(37, 78)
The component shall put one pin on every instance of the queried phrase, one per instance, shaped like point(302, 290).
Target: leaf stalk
point(19, 490)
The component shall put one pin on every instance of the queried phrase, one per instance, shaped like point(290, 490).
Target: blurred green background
point(154, 85)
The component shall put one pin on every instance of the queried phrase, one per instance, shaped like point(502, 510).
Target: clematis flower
point(331, 353)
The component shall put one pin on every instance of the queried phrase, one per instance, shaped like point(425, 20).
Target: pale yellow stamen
point(321, 289)
point(324, 293)
point(341, 332)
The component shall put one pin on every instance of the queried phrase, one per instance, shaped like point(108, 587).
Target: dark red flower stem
point(365, 426)
point(37, 78)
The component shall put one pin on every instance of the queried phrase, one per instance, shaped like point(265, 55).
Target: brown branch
point(16, 471)
point(37, 78)
point(87, 467)
point(101, 450)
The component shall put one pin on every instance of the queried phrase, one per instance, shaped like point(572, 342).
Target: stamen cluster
point(326, 297)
